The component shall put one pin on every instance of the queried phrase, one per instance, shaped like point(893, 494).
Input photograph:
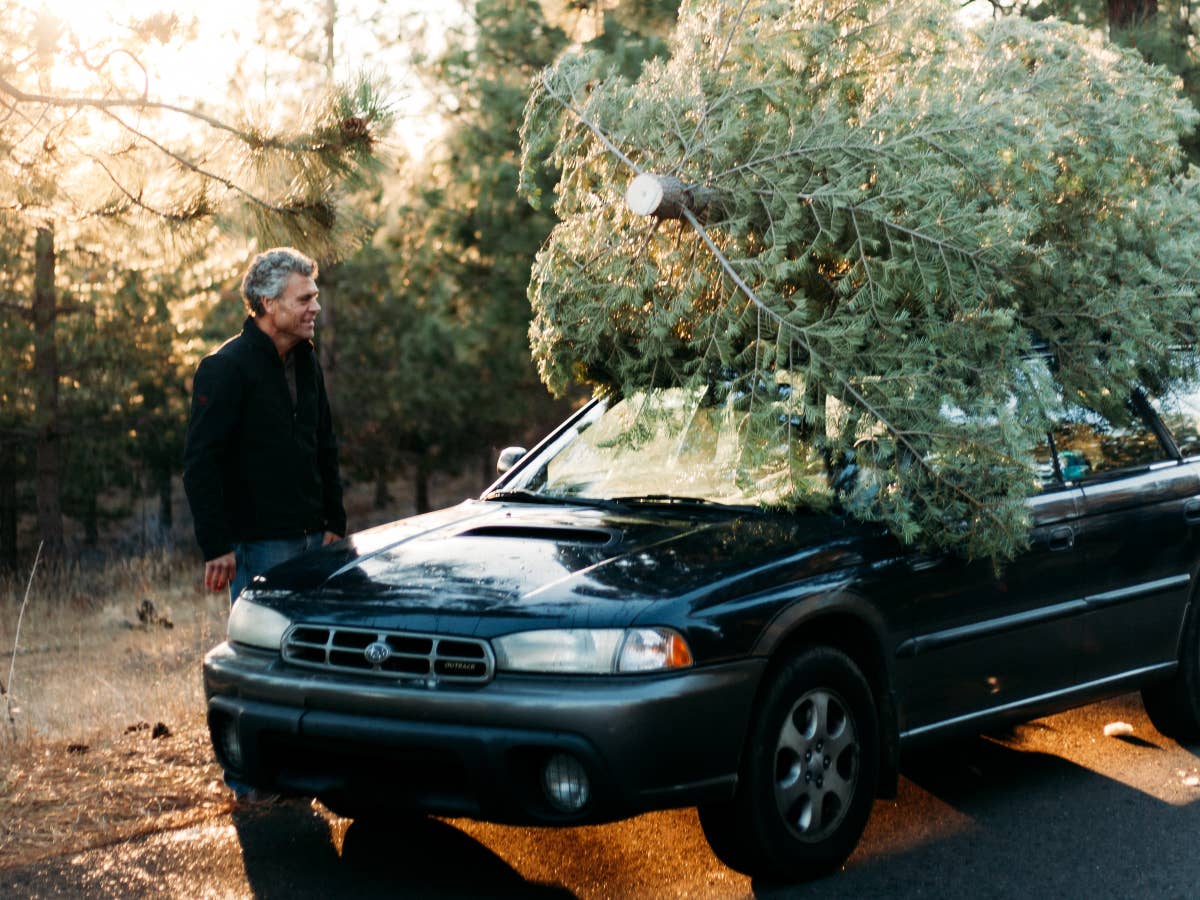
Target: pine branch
point(141, 104)
point(733, 29)
point(588, 123)
point(193, 167)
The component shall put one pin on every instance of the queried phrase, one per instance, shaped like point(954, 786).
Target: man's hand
point(218, 572)
point(330, 537)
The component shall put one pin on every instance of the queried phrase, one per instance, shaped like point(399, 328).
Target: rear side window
point(1180, 412)
point(1044, 460)
point(1088, 444)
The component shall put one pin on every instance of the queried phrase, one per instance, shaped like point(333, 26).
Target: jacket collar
point(261, 341)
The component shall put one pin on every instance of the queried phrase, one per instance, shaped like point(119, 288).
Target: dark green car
point(619, 624)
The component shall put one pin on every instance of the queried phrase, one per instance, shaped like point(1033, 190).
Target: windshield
point(675, 444)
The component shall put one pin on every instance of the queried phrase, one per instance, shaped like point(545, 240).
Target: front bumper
point(645, 742)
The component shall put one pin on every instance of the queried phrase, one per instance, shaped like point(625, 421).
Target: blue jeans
point(255, 557)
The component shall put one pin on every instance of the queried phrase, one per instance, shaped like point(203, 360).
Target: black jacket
point(254, 468)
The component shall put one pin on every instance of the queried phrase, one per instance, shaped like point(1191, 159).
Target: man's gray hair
point(268, 273)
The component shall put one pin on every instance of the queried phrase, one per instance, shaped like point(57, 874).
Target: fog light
point(566, 783)
point(231, 742)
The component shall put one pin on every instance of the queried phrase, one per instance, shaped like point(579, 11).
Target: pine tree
point(872, 220)
point(98, 164)
point(450, 379)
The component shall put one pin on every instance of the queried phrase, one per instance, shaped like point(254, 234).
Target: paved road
point(1053, 809)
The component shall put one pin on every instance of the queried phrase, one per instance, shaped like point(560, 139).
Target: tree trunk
point(421, 486)
point(326, 351)
point(91, 519)
point(487, 468)
point(382, 495)
point(49, 457)
point(166, 510)
point(1128, 13)
point(8, 506)
point(330, 24)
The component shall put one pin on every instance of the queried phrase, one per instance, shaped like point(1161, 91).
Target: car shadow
point(418, 858)
point(988, 817)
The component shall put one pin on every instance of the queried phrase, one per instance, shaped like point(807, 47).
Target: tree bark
point(48, 456)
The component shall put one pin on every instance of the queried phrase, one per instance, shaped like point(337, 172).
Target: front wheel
point(808, 773)
point(1174, 706)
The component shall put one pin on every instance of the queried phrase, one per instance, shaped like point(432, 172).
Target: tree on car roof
point(871, 215)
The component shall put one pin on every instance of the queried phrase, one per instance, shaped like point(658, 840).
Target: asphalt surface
point(1054, 808)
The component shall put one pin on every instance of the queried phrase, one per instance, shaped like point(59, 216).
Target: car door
point(984, 640)
point(1138, 529)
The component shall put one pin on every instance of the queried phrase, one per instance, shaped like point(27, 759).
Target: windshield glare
point(678, 443)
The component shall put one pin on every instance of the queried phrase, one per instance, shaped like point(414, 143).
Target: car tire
point(808, 775)
point(1174, 706)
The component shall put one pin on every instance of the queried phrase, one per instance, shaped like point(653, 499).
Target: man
point(260, 464)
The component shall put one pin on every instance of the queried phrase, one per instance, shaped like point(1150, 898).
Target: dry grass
point(86, 662)
point(93, 682)
point(102, 735)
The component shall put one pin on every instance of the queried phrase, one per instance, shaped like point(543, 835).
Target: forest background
point(123, 240)
point(120, 265)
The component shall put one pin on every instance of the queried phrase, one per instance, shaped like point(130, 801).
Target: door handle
point(1191, 511)
point(1061, 538)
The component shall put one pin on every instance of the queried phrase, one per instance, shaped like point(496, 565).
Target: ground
point(102, 730)
point(61, 796)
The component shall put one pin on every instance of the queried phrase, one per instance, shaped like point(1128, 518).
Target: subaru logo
point(377, 653)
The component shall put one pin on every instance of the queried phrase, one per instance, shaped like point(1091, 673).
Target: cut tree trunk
point(667, 197)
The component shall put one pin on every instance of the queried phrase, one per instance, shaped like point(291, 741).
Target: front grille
point(389, 654)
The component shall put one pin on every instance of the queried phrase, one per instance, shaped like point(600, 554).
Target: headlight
point(648, 649)
point(592, 651)
point(258, 626)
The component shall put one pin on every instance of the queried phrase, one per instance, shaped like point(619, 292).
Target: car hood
point(488, 567)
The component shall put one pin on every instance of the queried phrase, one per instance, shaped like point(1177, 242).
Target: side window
point(1089, 444)
point(1180, 412)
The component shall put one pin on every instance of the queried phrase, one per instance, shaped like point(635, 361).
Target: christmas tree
point(901, 237)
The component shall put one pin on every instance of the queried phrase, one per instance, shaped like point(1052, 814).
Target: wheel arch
point(847, 624)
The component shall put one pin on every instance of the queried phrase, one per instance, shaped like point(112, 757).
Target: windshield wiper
point(523, 495)
point(672, 500)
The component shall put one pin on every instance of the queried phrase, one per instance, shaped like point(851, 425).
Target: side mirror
point(509, 457)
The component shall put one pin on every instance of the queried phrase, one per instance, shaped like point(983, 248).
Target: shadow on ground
point(1053, 808)
point(408, 857)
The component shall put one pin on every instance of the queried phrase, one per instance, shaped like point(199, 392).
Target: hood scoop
point(557, 534)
